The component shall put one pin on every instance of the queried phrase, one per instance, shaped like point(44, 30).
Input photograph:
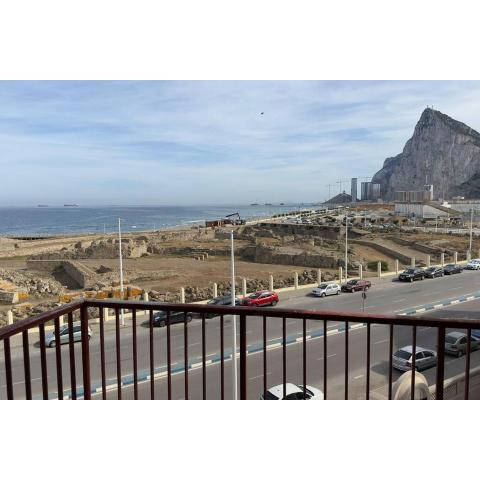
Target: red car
point(260, 299)
point(356, 285)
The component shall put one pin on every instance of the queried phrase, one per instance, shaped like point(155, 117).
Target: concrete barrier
point(295, 280)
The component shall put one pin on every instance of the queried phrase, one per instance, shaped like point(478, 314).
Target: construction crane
point(236, 221)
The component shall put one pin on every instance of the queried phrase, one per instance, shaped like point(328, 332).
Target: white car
point(293, 392)
point(325, 289)
point(473, 264)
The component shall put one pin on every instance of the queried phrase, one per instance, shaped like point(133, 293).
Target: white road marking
point(358, 376)
point(399, 300)
point(381, 341)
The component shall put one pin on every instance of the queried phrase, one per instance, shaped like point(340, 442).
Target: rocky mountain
point(442, 152)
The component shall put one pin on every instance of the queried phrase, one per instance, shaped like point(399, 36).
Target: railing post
point(244, 287)
point(340, 274)
point(105, 315)
point(396, 266)
point(85, 352)
point(182, 295)
point(379, 269)
point(440, 363)
point(243, 357)
point(428, 261)
point(319, 276)
point(455, 257)
point(360, 271)
point(469, 255)
point(270, 283)
point(442, 259)
point(9, 317)
point(412, 262)
point(215, 290)
point(295, 280)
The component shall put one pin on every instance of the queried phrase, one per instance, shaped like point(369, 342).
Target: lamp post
point(234, 325)
point(346, 248)
point(471, 230)
point(121, 267)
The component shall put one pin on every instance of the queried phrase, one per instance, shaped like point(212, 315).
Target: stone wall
point(385, 250)
point(272, 255)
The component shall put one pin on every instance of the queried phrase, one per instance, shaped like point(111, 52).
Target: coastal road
point(386, 296)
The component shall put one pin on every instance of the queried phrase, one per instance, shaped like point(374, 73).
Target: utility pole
point(121, 267)
point(436, 223)
point(234, 325)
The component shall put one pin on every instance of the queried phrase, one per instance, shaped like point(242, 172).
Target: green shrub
point(372, 266)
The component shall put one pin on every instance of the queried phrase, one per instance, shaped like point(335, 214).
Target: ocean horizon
point(52, 220)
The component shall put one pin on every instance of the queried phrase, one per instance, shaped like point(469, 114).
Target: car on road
point(424, 358)
point(356, 285)
point(456, 343)
point(50, 340)
point(412, 274)
point(293, 392)
point(260, 299)
point(473, 264)
point(451, 269)
point(223, 301)
point(160, 318)
point(325, 289)
point(433, 272)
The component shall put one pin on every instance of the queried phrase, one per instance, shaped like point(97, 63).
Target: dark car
point(224, 301)
point(356, 285)
point(412, 274)
point(160, 318)
point(433, 272)
point(451, 269)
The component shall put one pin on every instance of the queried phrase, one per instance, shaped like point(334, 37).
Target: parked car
point(223, 301)
point(451, 269)
point(325, 289)
point(473, 264)
point(293, 392)
point(261, 298)
point(424, 358)
point(456, 343)
point(356, 285)
point(412, 274)
point(160, 318)
point(433, 272)
point(50, 340)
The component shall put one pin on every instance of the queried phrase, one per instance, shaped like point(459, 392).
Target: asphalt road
point(385, 296)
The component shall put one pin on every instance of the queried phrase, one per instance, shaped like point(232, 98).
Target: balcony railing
point(148, 362)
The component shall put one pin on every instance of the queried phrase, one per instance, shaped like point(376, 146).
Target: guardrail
point(83, 386)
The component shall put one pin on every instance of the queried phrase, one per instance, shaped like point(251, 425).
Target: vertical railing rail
point(440, 363)
point(346, 361)
point(8, 368)
point(58, 357)
point(43, 361)
point(467, 364)
point(87, 388)
point(71, 351)
point(243, 357)
point(102, 353)
point(26, 366)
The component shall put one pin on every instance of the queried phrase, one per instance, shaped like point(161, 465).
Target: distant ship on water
point(42, 206)
point(254, 204)
point(71, 205)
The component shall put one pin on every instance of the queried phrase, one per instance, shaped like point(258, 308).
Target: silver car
point(424, 358)
point(50, 340)
point(456, 343)
point(325, 289)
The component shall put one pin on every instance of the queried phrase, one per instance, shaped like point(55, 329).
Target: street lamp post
point(346, 248)
point(234, 325)
point(121, 267)
point(471, 230)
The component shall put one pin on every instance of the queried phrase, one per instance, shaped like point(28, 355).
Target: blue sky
point(205, 142)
